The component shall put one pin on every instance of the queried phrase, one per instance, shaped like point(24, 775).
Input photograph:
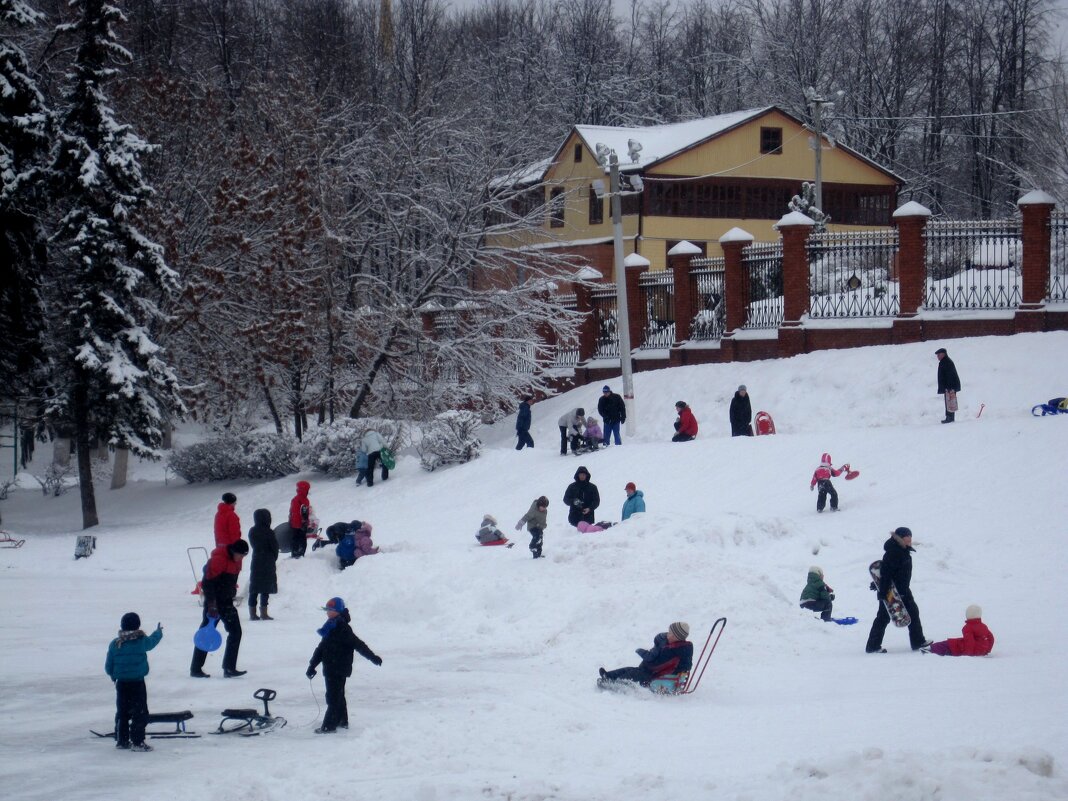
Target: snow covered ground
point(488, 690)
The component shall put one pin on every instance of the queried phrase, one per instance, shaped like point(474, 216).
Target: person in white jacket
point(373, 445)
point(571, 425)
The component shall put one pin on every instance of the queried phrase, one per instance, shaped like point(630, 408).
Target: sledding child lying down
point(977, 639)
point(489, 534)
point(355, 543)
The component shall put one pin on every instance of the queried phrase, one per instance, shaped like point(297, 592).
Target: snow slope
point(487, 688)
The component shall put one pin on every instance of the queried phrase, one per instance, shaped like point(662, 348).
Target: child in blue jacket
point(127, 665)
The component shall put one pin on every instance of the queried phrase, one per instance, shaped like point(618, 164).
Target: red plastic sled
point(850, 472)
point(764, 424)
point(508, 543)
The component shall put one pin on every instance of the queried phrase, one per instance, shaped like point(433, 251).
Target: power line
point(918, 117)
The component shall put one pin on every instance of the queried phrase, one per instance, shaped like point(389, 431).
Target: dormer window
point(578, 154)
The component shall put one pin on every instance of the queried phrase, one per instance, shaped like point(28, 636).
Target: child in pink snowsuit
point(822, 478)
point(977, 639)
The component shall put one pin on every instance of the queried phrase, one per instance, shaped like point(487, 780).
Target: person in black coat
point(741, 414)
point(334, 651)
point(522, 426)
point(948, 383)
point(581, 498)
point(896, 569)
point(613, 411)
point(263, 576)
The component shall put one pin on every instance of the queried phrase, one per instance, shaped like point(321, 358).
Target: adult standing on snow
point(948, 383)
point(299, 515)
point(263, 575)
point(635, 502)
point(522, 426)
point(581, 498)
point(613, 411)
point(220, 587)
point(571, 425)
point(686, 424)
point(741, 413)
point(227, 523)
point(373, 443)
point(896, 569)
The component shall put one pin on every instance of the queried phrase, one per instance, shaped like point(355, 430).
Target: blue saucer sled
point(208, 637)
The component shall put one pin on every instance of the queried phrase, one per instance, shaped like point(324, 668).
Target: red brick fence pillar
point(637, 314)
point(584, 306)
point(911, 270)
point(735, 281)
point(679, 258)
point(794, 229)
point(1036, 208)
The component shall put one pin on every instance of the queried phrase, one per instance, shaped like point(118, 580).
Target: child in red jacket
point(822, 478)
point(977, 639)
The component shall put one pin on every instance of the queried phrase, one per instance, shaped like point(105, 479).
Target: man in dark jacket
point(948, 383)
point(219, 587)
point(613, 411)
point(335, 651)
point(671, 653)
point(522, 426)
point(263, 575)
point(581, 498)
point(741, 414)
point(896, 570)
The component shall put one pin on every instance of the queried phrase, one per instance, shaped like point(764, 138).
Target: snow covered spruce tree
point(24, 151)
point(109, 381)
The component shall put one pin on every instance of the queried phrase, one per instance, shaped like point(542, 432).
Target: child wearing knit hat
point(672, 653)
point(977, 639)
point(127, 665)
point(489, 534)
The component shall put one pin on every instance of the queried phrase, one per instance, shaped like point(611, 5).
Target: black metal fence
point(1057, 288)
point(850, 274)
point(763, 266)
point(603, 299)
point(973, 265)
point(710, 307)
point(656, 290)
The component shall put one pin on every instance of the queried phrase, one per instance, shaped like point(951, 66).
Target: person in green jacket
point(817, 595)
point(127, 665)
point(535, 519)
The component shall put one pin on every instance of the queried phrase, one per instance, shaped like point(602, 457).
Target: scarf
point(328, 627)
point(127, 636)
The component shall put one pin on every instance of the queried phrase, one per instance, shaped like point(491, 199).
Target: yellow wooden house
point(701, 178)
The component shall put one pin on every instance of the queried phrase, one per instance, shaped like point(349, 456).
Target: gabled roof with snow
point(661, 142)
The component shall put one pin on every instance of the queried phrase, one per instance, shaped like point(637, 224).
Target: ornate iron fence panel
point(604, 312)
point(710, 308)
point(566, 354)
point(763, 266)
point(973, 264)
point(657, 291)
point(849, 274)
point(1057, 288)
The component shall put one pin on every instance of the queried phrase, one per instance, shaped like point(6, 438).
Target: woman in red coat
point(299, 514)
point(977, 639)
point(686, 425)
point(227, 523)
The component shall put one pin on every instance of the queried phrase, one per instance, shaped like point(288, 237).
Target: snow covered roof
point(660, 142)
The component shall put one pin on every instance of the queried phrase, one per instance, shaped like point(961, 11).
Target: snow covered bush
point(331, 448)
point(231, 456)
point(451, 438)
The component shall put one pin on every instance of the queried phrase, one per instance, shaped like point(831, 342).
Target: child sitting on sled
point(817, 595)
point(489, 534)
point(592, 436)
point(671, 653)
point(977, 639)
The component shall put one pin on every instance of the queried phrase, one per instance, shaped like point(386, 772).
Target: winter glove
point(811, 487)
point(519, 526)
point(577, 503)
point(831, 596)
point(376, 660)
point(159, 627)
point(642, 653)
point(872, 587)
point(310, 673)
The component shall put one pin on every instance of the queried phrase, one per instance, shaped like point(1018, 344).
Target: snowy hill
point(487, 690)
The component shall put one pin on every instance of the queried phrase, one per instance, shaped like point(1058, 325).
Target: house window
point(556, 208)
point(578, 154)
point(596, 208)
point(771, 140)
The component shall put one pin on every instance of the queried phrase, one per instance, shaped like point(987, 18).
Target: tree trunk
point(168, 435)
point(272, 408)
point(61, 452)
point(118, 472)
point(85, 461)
